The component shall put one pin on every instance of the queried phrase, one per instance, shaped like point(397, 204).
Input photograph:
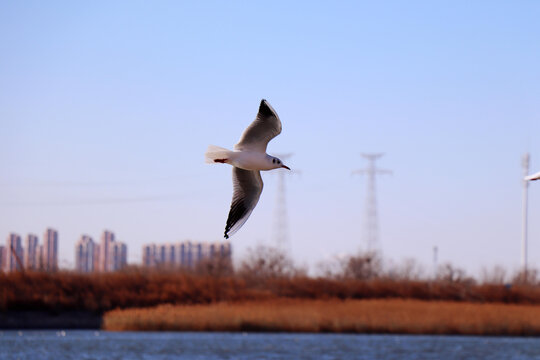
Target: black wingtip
point(264, 108)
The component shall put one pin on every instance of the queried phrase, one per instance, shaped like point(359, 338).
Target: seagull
point(532, 177)
point(248, 158)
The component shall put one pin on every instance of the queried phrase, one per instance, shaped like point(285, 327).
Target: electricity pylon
point(371, 222)
point(281, 220)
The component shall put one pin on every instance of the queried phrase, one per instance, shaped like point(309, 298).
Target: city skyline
point(106, 256)
point(184, 254)
point(90, 256)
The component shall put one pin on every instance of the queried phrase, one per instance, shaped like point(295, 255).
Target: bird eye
point(279, 162)
point(273, 161)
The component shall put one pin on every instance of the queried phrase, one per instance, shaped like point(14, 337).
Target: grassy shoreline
point(382, 316)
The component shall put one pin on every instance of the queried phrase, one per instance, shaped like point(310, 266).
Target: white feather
point(215, 152)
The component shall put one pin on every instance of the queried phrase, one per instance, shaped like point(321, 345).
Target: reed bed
point(384, 316)
point(65, 291)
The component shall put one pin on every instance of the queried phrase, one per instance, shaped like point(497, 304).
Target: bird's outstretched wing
point(247, 188)
point(264, 128)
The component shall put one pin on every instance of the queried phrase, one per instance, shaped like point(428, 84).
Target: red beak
point(286, 167)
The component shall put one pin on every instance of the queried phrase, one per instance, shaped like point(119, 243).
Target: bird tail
point(214, 153)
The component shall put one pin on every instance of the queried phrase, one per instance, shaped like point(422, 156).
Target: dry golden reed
point(392, 316)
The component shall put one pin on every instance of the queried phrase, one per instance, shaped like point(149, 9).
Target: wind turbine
point(525, 160)
point(524, 231)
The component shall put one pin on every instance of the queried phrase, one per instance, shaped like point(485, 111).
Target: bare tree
point(332, 268)
point(264, 262)
point(363, 266)
point(526, 277)
point(494, 276)
point(449, 273)
point(408, 269)
point(215, 265)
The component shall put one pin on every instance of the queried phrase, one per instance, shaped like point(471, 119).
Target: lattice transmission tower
point(371, 222)
point(281, 219)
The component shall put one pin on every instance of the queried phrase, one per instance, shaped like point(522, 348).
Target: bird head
point(277, 163)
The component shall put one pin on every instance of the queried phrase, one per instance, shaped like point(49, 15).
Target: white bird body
point(243, 159)
point(251, 160)
point(248, 158)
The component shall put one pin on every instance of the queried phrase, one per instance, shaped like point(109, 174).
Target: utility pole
point(371, 223)
point(525, 161)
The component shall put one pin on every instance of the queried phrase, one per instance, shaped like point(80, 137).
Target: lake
point(84, 344)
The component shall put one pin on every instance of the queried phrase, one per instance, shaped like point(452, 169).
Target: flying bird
point(533, 177)
point(248, 158)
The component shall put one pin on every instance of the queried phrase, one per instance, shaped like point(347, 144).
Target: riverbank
point(19, 320)
point(251, 301)
point(100, 292)
point(392, 316)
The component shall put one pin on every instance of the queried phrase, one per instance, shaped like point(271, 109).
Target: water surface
point(83, 344)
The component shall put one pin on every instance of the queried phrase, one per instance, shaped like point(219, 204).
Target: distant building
point(14, 253)
point(186, 254)
point(161, 254)
point(50, 250)
point(97, 252)
point(112, 254)
point(149, 255)
point(84, 254)
point(31, 253)
point(105, 248)
point(118, 256)
point(2, 257)
point(40, 256)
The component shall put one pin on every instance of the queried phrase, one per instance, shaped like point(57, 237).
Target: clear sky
point(107, 107)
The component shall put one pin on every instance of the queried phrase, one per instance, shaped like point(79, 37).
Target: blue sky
point(106, 109)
